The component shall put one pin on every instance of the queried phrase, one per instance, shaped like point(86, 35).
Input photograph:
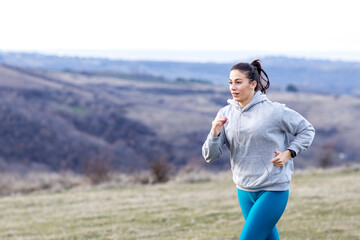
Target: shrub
point(160, 170)
point(291, 88)
point(97, 171)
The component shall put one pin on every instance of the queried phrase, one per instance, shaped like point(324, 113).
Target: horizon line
point(199, 56)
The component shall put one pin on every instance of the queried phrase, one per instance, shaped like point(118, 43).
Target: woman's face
point(241, 88)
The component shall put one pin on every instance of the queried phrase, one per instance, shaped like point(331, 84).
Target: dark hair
point(254, 72)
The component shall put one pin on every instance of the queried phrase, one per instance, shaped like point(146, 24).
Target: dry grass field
point(322, 205)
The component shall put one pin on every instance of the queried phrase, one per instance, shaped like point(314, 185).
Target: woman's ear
point(253, 85)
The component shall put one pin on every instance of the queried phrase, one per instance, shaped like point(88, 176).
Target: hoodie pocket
point(280, 175)
point(251, 172)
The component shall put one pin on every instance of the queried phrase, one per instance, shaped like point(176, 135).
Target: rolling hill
point(317, 76)
point(57, 120)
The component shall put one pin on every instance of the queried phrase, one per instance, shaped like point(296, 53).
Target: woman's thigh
point(262, 211)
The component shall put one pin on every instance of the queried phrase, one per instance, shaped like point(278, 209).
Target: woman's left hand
point(281, 158)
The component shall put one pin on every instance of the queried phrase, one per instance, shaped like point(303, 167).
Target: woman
point(256, 131)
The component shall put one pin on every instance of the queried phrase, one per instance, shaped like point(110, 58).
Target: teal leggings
point(261, 210)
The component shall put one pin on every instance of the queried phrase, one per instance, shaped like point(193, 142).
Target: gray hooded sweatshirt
point(252, 134)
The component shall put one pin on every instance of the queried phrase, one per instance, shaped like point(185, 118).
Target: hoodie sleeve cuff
point(212, 138)
point(295, 149)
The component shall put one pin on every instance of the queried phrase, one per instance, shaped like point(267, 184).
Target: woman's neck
point(246, 102)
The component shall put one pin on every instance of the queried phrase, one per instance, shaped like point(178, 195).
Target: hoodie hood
point(257, 98)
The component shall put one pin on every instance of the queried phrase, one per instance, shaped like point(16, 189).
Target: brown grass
point(323, 204)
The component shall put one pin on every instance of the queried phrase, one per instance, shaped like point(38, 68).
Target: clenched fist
point(217, 125)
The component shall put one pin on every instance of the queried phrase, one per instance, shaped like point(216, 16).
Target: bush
point(291, 88)
point(160, 170)
point(329, 156)
point(97, 171)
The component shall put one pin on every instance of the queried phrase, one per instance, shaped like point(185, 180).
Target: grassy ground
point(322, 205)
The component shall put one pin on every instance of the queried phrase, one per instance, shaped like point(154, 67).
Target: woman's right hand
point(217, 125)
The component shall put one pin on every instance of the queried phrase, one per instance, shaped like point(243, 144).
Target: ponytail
point(254, 72)
point(263, 83)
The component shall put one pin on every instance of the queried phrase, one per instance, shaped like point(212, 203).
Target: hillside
point(51, 124)
point(63, 120)
point(318, 76)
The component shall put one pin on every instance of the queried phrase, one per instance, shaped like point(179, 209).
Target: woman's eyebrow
point(235, 79)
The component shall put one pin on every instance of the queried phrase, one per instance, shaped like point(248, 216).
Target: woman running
point(256, 131)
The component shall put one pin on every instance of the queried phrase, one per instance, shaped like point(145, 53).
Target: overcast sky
point(327, 28)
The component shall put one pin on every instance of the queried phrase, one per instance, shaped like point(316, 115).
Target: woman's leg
point(261, 211)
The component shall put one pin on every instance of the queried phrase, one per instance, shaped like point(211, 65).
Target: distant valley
point(56, 119)
point(316, 76)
